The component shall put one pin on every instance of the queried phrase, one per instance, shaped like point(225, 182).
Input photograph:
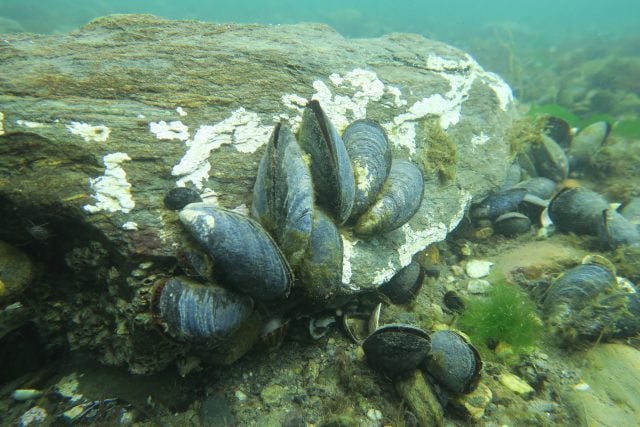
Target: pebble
point(33, 415)
point(478, 268)
point(374, 414)
point(478, 286)
point(240, 395)
point(67, 388)
point(515, 384)
point(581, 386)
point(24, 394)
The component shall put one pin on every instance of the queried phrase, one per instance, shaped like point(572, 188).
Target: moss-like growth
point(504, 315)
point(440, 153)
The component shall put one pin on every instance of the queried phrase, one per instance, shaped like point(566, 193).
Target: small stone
point(273, 394)
point(374, 414)
point(475, 403)
point(456, 270)
point(478, 286)
point(581, 386)
point(240, 395)
point(67, 388)
point(515, 384)
point(421, 399)
point(33, 415)
point(24, 394)
point(477, 268)
point(73, 413)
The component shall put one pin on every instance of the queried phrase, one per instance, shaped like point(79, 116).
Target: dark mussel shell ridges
point(511, 224)
point(578, 285)
point(398, 200)
point(321, 268)
point(497, 204)
point(453, 362)
point(405, 284)
point(577, 210)
point(370, 154)
point(283, 195)
point(331, 169)
point(396, 349)
point(245, 256)
point(190, 311)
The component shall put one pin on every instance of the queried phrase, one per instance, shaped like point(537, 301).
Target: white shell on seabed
point(477, 268)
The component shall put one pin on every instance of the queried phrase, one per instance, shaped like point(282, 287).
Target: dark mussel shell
point(189, 311)
point(396, 349)
point(511, 224)
point(538, 186)
point(577, 210)
point(331, 169)
point(586, 144)
point(179, 197)
point(558, 130)
point(321, 268)
point(615, 230)
point(453, 362)
point(579, 285)
point(398, 200)
point(550, 159)
point(405, 284)
point(283, 195)
point(370, 154)
point(245, 256)
point(497, 204)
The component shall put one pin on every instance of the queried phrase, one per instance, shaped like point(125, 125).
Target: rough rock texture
point(97, 125)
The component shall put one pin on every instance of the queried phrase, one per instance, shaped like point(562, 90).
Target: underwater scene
point(332, 214)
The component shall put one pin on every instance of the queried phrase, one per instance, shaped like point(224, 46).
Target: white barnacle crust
point(480, 139)
point(192, 213)
point(347, 254)
point(99, 133)
point(130, 226)
point(181, 112)
point(112, 191)
point(172, 130)
point(1, 123)
point(243, 129)
point(30, 124)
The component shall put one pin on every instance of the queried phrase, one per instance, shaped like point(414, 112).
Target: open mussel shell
point(577, 210)
point(586, 144)
point(615, 230)
point(579, 285)
point(511, 224)
point(453, 362)
point(321, 269)
point(396, 349)
point(396, 203)
point(538, 186)
point(283, 195)
point(193, 312)
point(370, 155)
point(405, 284)
point(244, 254)
point(497, 204)
point(331, 169)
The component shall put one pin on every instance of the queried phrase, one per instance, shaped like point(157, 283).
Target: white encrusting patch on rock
point(192, 212)
point(112, 191)
point(180, 111)
point(1, 123)
point(347, 254)
point(130, 226)
point(243, 129)
point(90, 133)
point(481, 139)
point(384, 275)
point(30, 124)
point(172, 130)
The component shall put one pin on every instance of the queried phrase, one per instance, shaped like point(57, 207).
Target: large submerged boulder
point(97, 125)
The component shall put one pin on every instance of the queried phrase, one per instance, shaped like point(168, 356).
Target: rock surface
point(97, 125)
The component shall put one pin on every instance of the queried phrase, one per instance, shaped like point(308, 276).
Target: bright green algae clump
point(504, 315)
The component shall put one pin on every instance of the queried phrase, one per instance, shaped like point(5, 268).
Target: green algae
point(505, 315)
point(440, 154)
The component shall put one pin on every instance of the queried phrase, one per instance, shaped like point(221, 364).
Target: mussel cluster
point(445, 356)
point(305, 189)
point(555, 156)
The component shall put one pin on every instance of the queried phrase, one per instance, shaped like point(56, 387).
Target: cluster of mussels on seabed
point(589, 301)
point(307, 187)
